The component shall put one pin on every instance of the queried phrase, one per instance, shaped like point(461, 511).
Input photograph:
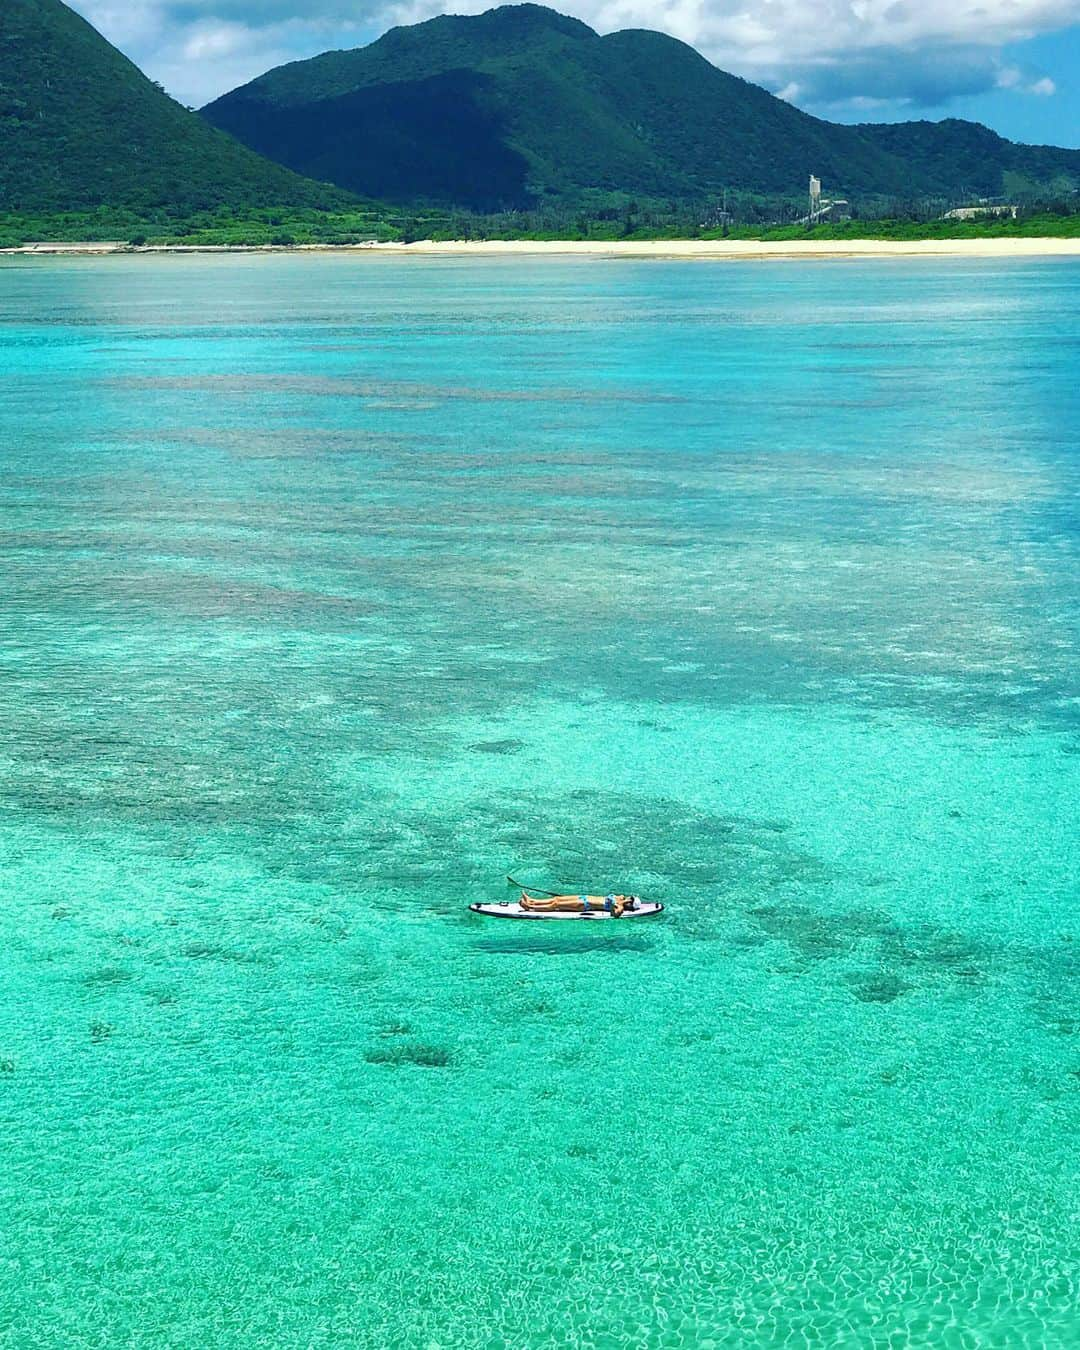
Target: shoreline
point(705, 249)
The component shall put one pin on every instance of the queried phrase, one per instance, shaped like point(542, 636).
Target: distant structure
point(974, 212)
point(824, 208)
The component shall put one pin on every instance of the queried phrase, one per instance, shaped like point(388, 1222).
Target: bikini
point(609, 903)
point(609, 900)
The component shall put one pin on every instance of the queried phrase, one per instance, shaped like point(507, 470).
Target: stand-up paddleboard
point(513, 910)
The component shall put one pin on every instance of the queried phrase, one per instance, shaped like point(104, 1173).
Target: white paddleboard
point(513, 910)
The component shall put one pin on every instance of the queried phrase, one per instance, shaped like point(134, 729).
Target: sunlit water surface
point(332, 590)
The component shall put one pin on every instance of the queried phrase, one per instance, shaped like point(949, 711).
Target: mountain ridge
point(81, 126)
point(527, 104)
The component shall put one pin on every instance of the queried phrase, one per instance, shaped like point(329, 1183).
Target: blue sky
point(1014, 64)
point(1051, 120)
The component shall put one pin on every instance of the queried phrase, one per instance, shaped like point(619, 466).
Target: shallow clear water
point(332, 590)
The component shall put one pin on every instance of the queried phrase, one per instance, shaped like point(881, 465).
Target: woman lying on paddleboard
point(581, 904)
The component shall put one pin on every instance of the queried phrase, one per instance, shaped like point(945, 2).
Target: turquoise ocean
point(334, 589)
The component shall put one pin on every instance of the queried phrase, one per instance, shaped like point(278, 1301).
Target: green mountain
point(522, 103)
point(80, 127)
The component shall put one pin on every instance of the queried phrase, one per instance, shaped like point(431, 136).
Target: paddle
point(531, 888)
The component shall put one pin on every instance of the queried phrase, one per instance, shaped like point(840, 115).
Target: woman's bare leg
point(552, 902)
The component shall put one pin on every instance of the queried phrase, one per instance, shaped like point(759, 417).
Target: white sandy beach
point(717, 249)
point(749, 248)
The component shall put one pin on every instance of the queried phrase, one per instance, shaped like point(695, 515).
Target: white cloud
point(898, 50)
point(212, 41)
point(1012, 77)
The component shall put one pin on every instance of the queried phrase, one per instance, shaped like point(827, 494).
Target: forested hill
point(522, 104)
point(80, 126)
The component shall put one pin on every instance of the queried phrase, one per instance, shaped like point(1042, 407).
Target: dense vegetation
point(80, 127)
point(522, 107)
point(219, 226)
point(1033, 225)
point(226, 227)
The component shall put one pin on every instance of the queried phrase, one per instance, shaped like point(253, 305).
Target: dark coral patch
point(108, 975)
point(410, 1052)
point(878, 988)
